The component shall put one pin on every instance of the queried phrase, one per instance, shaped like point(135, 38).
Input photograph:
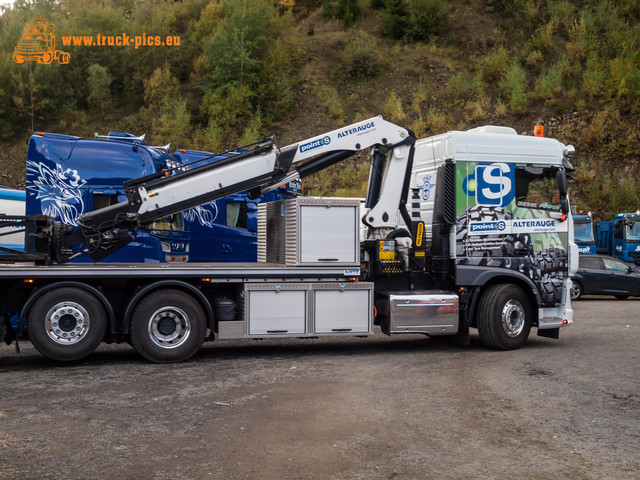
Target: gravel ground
point(375, 408)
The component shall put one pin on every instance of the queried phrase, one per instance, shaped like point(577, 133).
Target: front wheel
point(504, 317)
point(66, 323)
point(167, 326)
point(621, 297)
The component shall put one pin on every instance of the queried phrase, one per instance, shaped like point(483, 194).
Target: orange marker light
point(538, 131)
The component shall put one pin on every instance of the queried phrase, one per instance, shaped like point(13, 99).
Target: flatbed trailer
point(104, 297)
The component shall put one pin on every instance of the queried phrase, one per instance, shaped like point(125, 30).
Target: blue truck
point(620, 238)
point(584, 233)
point(68, 176)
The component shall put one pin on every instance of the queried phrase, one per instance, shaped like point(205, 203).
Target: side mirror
point(563, 188)
point(564, 204)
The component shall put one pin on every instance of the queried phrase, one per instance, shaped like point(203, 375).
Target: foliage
point(362, 57)
point(348, 11)
point(249, 68)
point(99, 82)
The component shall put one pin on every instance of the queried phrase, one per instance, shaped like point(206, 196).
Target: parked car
point(602, 275)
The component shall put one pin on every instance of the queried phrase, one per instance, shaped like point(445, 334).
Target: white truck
point(485, 243)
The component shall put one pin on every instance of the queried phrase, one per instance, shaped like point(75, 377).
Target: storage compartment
point(310, 231)
point(276, 309)
point(305, 309)
point(342, 308)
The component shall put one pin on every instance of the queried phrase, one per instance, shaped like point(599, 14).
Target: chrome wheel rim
point(67, 323)
point(513, 318)
point(169, 327)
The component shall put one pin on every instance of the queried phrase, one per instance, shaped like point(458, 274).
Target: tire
point(504, 317)
point(18, 58)
point(66, 323)
point(621, 297)
point(576, 290)
point(167, 326)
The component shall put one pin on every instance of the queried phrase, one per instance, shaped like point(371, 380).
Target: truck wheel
point(18, 58)
point(63, 58)
point(576, 290)
point(167, 326)
point(66, 323)
point(504, 317)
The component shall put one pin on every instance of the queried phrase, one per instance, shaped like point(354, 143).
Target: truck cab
point(584, 233)
point(620, 238)
point(68, 176)
point(499, 211)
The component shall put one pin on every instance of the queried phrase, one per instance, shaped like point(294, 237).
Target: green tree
point(99, 81)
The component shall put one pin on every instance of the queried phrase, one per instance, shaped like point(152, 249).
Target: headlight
point(166, 248)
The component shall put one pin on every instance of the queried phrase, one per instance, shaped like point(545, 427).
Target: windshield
point(583, 233)
point(537, 188)
point(633, 231)
point(172, 223)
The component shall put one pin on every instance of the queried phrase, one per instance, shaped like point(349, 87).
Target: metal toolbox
point(307, 309)
point(342, 308)
point(277, 308)
point(309, 231)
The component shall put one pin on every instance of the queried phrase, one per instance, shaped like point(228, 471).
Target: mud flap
point(549, 333)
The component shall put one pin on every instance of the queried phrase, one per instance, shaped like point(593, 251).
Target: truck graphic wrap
point(506, 218)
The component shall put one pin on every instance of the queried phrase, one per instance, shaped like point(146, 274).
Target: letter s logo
point(495, 184)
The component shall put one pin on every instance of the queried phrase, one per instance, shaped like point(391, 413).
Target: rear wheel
point(168, 326)
point(66, 323)
point(504, 317)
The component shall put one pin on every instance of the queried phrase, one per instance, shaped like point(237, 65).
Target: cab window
point(236, 214)
point(537, 187)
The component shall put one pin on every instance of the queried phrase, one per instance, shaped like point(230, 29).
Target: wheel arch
point(175, 284)
point(52, 286)
point(481, 278)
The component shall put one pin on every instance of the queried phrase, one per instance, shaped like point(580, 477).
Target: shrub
point(393, 110)
point(514, 86)
point(427, 19)
point(494, 66)
point(348, 11)
point(362, 57)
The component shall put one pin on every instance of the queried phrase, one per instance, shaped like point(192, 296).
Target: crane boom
point(151, 198)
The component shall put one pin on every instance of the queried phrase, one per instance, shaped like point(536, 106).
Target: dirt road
point(376, 408)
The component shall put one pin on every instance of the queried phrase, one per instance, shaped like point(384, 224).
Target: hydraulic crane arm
point(256, 171)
